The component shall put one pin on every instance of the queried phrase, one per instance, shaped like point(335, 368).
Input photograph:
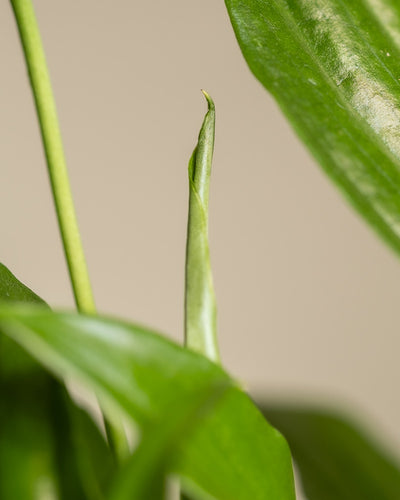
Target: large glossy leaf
point(334, 68)
point(234, 453)
point(335, 458)
point(48, 446)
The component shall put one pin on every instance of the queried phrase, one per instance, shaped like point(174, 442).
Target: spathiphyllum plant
point(334, 68)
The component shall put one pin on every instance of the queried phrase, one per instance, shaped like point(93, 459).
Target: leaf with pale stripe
point(334, 69)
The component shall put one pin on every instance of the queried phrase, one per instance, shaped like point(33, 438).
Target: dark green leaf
point(27, 466)
point(85, 464)
point(13, 359)
point(48, 446)
point(334, 68)
point(336, 459)
point(12, 290)
point(234, 453)
point(144, 475)
point(37, 440)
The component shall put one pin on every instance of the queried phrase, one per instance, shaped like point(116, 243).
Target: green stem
point(60, 186)
point(51, 136)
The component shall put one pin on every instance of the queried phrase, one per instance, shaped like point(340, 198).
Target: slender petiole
point(51, 136)
point(60, 186)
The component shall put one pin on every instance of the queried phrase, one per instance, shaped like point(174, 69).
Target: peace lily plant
point(334, 68)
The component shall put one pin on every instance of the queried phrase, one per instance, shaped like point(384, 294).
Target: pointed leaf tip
point(210, 102)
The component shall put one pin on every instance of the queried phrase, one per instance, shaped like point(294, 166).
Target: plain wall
point(308, 296)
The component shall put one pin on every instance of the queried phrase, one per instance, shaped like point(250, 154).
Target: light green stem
point(57, 168)
point(51, 136)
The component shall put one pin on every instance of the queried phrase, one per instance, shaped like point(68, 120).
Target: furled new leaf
point(234, 453)
point(334, 68)
point(200, 305)
point(335, 458)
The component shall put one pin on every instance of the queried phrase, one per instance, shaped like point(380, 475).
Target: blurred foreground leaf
point(336, 459)
point(334, 68)
point(234, 453)
point(144, 474)
point(49, 448)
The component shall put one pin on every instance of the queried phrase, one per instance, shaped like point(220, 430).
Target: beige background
point(308, 297)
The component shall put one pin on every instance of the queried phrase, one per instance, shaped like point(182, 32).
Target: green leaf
point(200, 306)
point(252, 457)
point(48, 446)
point(234, 453)
point(12, 290)
point(86, 466)
point(144, 475)
point(27, 466)
point(334, 68)
point(335, 458)
point(14, 360)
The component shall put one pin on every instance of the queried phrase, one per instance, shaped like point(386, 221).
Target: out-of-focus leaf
point(234, 453)
point(85, 463)
point(245, 447)
point(335, 458)
point(49, 448)
point(27, 466)
point(13, 359)
point(37, 456)
point(334, 68)
point(12, 290)
point(144, 475)
point(200, 306)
